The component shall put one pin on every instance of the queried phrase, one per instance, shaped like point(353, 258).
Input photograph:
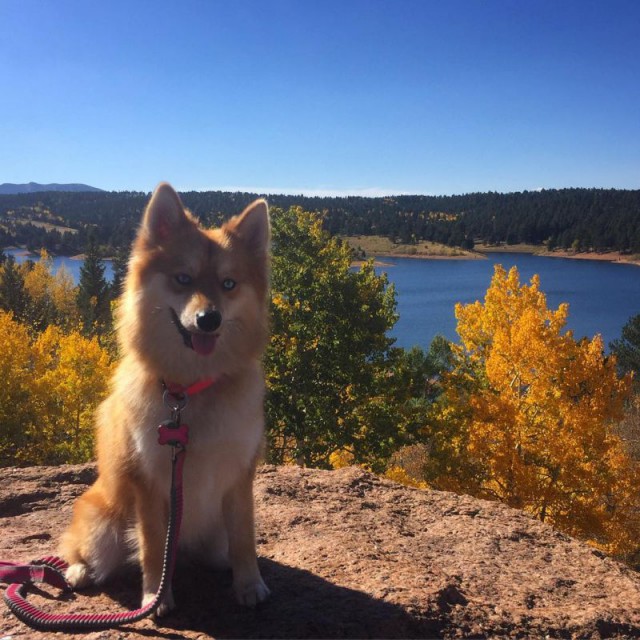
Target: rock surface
point(349, 555)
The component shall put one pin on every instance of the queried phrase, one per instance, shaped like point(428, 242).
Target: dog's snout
point(208, 320)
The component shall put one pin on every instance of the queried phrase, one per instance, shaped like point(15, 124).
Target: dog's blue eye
point(184, 279)
point(228, 284)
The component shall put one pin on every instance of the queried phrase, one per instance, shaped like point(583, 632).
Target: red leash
point(50, 570)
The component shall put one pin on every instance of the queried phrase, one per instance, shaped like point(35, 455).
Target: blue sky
point(348, 96)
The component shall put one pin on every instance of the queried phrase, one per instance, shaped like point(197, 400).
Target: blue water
point(72, 265)
point(602, 296)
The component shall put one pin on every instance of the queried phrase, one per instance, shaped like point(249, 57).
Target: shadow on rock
point(302, 605)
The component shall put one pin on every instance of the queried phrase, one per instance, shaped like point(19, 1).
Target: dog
point(194, 307)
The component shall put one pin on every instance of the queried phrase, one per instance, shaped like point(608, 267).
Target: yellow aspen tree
point(38, 283)
point(73, 375)
point(39, 278)
point(52, 297)
point(63, 295)
point(539, 411)
point(17, 409)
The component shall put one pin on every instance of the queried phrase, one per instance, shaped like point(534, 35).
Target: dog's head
point(195, 300)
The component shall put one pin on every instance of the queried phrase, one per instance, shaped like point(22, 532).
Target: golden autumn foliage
point(341, 458)
point(63, 298)
point(74, 372)
point(39, 279)
point(53, 383)
point(400, 474)
point(16, 401)
point(50, 298)
point(530, 416)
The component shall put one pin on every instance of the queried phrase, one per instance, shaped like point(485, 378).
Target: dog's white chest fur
point(224, 438)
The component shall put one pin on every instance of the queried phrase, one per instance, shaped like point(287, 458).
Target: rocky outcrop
point(349, 555)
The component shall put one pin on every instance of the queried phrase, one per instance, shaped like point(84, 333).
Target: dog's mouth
point(202, 343)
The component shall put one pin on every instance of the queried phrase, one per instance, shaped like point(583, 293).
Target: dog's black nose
point(208, 320)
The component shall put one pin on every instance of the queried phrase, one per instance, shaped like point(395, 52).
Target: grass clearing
point(382, 246)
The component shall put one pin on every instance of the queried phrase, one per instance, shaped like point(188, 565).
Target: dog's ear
point(164, 214)
point(253, 228)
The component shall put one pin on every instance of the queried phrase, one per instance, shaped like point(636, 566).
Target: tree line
point(579, 219)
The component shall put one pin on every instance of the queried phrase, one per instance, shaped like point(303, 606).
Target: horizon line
point(326, 192)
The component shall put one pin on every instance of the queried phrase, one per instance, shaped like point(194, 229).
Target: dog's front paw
point(78, 575)
point(164, 608)
point(251, 593)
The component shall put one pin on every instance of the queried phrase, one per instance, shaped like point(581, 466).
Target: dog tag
point(170, 432)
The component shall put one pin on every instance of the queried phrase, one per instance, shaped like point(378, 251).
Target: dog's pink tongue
point(203, 344)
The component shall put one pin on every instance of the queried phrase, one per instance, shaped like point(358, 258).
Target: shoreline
point(27, 254)
point(478, 254)
point(380, 263)
point(598, 256)
point(604, 256)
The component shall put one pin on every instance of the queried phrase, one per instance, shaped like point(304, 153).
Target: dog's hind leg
point(94, 545)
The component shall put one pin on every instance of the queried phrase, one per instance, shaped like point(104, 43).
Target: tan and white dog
point(194, 307)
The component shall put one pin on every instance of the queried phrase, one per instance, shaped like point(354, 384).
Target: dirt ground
point(349, 555)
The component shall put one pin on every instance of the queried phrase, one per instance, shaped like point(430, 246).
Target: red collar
point(190, 390)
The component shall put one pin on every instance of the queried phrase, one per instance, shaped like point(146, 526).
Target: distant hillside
point(569, 219)
point(35, 187)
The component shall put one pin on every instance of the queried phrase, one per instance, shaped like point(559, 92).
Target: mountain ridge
point(9, 188)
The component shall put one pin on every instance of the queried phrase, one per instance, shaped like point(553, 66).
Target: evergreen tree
point(627, 349)
point(13, 295)
point(120, 264)
point(93, 294)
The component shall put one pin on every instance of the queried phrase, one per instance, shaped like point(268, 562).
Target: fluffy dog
point(194, 308)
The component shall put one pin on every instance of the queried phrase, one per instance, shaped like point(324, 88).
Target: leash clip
point(175, 401)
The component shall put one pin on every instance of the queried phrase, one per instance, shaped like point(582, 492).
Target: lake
point(602, 296)
point(72, 265)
